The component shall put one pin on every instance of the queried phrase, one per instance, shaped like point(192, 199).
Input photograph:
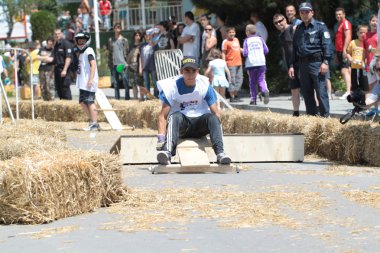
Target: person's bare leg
point(329, 88)
point(86, 110)
point(296, 99)
point(93, 112)
point(346, 74)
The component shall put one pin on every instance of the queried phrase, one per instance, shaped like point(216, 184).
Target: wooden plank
point(192, 157)
point(177, 168)
point(105, 105)
point(241, 148)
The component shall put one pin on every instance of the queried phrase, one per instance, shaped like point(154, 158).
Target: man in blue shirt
point(313, 48)
point(189, 110)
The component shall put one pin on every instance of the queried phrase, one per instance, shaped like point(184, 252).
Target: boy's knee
point(176, 117)
point(213, 119)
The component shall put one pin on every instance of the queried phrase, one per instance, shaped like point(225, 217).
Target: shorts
point(35, 79)
point(341, 63)
point(374, 95)
point(86, 97)
point(295, 83)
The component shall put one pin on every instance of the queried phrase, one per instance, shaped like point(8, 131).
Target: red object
point(105, 7)
point(370, 41)
point(339, 35)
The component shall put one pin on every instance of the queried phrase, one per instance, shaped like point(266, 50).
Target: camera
point(357, 97)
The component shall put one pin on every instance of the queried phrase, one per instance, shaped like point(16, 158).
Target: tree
point(14, 8)
point(43, 24)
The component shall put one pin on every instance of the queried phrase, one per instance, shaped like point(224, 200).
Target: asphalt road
point(314, 206)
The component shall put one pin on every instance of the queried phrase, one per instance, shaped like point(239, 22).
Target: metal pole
point(143, 13)
point(6, 102)
point(97, 39)
point(31, 83)
point(16, 84)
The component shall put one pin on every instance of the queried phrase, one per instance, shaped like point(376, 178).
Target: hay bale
point(324, 137)
point(52, 185)
point(27, 137)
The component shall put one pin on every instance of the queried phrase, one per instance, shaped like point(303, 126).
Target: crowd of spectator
point(306, 43)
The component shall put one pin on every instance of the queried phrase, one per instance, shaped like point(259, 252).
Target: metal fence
point(133, 18)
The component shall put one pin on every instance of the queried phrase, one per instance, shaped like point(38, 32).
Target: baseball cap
point(305, 6)
point(189, 62)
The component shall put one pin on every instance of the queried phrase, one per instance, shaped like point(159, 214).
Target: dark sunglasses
point(377, 69)
point(208, 29)
point(278, 22)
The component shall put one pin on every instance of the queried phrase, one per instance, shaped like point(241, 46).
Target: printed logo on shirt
point(191, 104)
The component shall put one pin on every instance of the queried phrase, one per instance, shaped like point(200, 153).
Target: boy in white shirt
point(87, 79)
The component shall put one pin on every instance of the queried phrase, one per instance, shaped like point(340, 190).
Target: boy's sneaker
point(92, 126)
point(372, 112)
point(266, 97)
point(163, 157)
point(252, 102)
point(222, 158)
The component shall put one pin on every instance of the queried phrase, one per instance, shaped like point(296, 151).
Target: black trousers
point(62, 84)
point(180, 126)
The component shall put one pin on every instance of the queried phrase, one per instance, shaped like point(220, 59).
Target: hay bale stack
point(28, 137)
point(325, 137)
point(140, 114)
point(48, 186)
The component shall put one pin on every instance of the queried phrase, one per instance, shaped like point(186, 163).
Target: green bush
point(43, 24)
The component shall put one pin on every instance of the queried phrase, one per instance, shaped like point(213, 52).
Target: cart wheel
point(345, 118)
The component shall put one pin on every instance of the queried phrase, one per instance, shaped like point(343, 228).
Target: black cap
point(189, 62)
point(305, 6)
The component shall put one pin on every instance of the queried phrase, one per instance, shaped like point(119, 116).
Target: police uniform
point(312, 46)
point(62, 50)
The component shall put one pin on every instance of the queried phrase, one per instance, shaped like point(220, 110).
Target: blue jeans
point(116, 83)
point(146, 78)
point(180, 126)
point(106, 22)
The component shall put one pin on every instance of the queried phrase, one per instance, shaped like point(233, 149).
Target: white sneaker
point(222, 158)
point(344, 96)
point(92, 126)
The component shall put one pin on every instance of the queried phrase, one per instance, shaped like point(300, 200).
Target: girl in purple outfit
point(255, 49)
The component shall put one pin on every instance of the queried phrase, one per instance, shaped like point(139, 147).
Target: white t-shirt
point(84, 71)
point(192, 48)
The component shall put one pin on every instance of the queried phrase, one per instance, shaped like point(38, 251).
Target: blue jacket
point(311, 40)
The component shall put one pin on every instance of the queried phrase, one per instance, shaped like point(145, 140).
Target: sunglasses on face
point(208, 29)
point(278, 21)
point(377, 69)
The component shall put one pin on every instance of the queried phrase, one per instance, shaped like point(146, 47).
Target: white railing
point(135, 18)
point(16, 81)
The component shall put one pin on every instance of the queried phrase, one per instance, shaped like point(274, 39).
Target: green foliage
point(337, 82)
point(43, 24)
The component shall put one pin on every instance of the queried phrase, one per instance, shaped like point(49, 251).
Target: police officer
point(313, 48)
point(62, 58)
